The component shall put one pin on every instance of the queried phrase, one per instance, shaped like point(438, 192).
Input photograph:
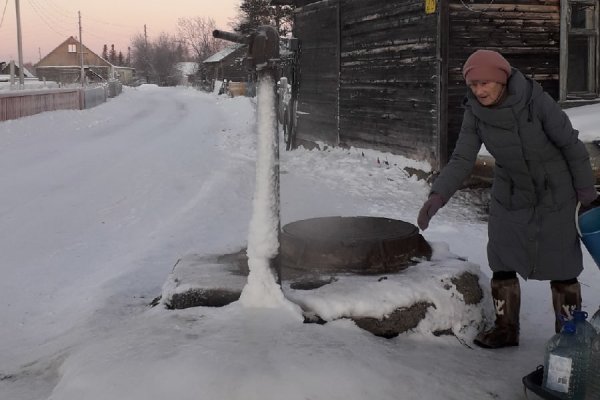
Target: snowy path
point(99, 205)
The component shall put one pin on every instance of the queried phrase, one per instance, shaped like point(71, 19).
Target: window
point(72, 48)
point(579, 49)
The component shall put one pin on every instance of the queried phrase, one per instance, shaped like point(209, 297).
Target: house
point(227, 64)
point(5, 71)
point(64, 63)
point(387, 74)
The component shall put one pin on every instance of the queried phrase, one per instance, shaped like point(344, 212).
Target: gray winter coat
point(539, 163)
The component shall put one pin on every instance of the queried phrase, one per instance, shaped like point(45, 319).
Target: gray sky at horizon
point(45, 24)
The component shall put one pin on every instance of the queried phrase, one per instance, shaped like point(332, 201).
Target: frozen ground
point(97, 205)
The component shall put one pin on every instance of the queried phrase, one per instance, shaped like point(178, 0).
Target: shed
point(125, 75)
point(386, 74)
point(227, 64)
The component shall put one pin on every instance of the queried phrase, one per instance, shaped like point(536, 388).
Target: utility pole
point(81, 52)
point(40, 53)
point(20, 46)
point(147, 66)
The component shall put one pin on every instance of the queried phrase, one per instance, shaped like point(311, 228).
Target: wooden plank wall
point(526, 32)
point(388, 88)
point(233, 67)
point(316, 27)
point(21, 104)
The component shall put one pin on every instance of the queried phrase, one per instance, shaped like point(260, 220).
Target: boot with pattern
point(566, 298)
point(507, 302)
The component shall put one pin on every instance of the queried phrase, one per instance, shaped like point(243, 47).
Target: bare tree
point(164, 58)
point(140, 56)
point(196, 35)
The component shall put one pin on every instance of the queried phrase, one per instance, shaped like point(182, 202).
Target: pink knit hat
point(486, 65)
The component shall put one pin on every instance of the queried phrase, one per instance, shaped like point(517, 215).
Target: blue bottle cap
point(579, 315)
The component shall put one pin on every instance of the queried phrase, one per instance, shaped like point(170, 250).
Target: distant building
point(125, 75)
point(227, 64)
point(63, 64)
point(5, 71)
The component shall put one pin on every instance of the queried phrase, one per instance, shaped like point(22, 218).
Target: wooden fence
point(17, 104)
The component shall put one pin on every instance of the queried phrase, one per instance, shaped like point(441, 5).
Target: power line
point(51, 13)
point(66, 13)
point(63, 11)
point(55, 19)
point(54, 12)
point(48, 24)
point(111, 24)
point(3, 12)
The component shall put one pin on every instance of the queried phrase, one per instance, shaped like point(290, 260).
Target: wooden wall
point(526, 32)
point(231, 67)
point(72, 74)
point(385, 75)
point(388, 88)
point(316, 26)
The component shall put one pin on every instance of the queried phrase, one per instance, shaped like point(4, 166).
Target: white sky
point(97, 206)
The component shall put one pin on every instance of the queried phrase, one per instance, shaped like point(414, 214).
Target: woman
point(542, 169)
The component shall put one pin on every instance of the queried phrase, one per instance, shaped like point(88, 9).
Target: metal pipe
point(231, 36)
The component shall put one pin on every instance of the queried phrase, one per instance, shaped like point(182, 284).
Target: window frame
point(567, 32)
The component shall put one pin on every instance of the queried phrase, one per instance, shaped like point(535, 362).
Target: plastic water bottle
point(593, 377)
point(566, 364)
point(585, 331)
point(595, 321)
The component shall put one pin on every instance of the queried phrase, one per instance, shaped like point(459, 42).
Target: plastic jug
point(593, 376)
point(595, 321)
point(566, 364)
point(585, 330)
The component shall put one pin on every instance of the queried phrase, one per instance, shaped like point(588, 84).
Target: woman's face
point(487, 92)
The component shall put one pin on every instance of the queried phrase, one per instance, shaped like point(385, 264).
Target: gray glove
point(430, 207)
point(586, 195)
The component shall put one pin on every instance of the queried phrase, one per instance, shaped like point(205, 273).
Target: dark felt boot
point(507, 302)
point(566, 298)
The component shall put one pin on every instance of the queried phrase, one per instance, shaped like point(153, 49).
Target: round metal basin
point(360, 245)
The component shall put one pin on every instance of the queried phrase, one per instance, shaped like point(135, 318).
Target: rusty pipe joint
point(264, 47)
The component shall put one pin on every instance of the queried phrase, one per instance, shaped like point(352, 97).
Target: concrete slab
point(205, 280)
point(397, 302)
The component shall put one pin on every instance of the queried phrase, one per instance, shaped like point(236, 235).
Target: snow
point(28, 84)
point(98, 205)
point(220, 55)
point(376, 297)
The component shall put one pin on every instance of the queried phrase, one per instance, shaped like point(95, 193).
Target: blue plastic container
point(588, 226)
